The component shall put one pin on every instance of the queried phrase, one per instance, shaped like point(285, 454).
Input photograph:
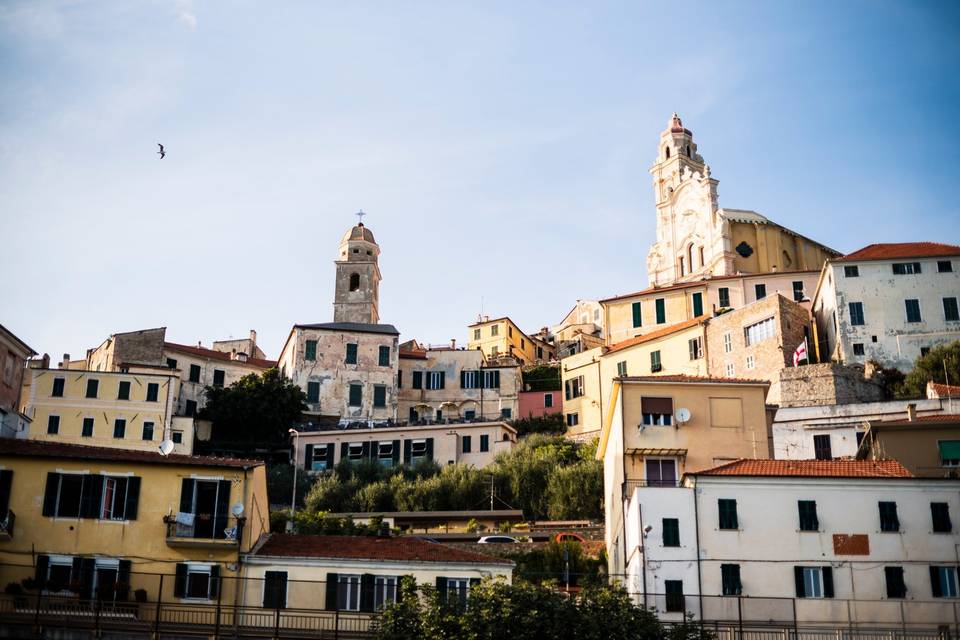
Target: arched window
point(703, 262)
point(681, 265)
point(666, 151)
point(688, 152)
point(690, 257)
point(354, 281)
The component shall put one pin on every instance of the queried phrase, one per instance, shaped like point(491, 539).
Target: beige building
point(929, 446)
point(473, 443)
point(199, 368)
point(580, 330)
point(14, 353)
point(501, 337)
point(443, 384)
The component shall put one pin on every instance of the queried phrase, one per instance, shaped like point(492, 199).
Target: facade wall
point(143, 347)
point(913, 445)
point(13, 357)
point(501, 337)
point(588, 407)
point(586, 316)
point(192, 394)
point(534, 404)
point(827, 384)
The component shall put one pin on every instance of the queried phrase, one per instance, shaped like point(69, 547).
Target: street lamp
point(293, 501)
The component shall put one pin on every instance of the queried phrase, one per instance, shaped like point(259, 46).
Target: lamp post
point(293, 501)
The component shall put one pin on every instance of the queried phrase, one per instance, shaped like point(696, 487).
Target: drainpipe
point(241, 583)
point(696, 524)
point(643, 557)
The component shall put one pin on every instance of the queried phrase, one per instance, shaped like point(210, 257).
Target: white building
point(819, 542)
point(888, 302)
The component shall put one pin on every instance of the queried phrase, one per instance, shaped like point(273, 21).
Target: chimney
point(45, 361)
point(911, 411)
point(253, 340)
point(453, 343)
point(66, 361)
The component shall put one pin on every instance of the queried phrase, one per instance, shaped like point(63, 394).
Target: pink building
point(534, 404)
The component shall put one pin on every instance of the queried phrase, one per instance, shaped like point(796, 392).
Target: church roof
point(359, 232)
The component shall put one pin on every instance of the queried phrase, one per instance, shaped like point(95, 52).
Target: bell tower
point(357, 293)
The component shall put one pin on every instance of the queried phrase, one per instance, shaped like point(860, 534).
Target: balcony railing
point(630, 485)
point(203, 530)
point(6, 525)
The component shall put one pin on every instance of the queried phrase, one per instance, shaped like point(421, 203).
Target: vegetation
point(280, 484)
point(541, 377)
point(521, 612)
point(550, 563)
point(544, 476)
point(939, 364)
point(323, 524)
point(552, 424)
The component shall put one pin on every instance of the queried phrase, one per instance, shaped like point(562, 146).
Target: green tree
point(552, 423)
point(253, 413)
point(938, 365)
point(280, 484)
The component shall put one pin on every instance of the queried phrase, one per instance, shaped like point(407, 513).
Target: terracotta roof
point(694, 379)
point(945, 390)
point(939, 418)
point(359, 232)
point(895, 250)
point(704, 282)
point(404, 548)
point(203, 352)
point(45, 449)
point(659, 333)
point(809, 469)
point(416, 355)
point(491, 321)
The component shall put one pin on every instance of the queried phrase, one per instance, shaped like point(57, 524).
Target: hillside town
point(762, 438)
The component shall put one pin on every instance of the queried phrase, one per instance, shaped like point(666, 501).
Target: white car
point(497, 540)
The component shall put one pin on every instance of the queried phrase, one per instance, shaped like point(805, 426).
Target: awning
point(650, 451)
point(949, 449)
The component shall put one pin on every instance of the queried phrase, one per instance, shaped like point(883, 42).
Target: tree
point(280, 484)
point(552, 423)
point(938, 365)
point(253, 413)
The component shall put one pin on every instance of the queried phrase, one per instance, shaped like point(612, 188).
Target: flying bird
point(162, 153)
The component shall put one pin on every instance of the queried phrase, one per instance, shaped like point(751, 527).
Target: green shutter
point(637, 315)
point(307, 457)
point(697, 305)
point(332, 580)
point(661, 311)
point(949, 449)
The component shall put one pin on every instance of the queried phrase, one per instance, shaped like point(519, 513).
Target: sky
point(500, 149)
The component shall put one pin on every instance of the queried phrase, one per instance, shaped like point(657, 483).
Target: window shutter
point(133, 498)
point(496, 379)
point(332, 580)
point(50, 494)
point(443, 377)
point(331, 448)
point(6, 481)
point(43, 563)
point(366, 592)
point(123, 573)
point(798, 578)
point(463, 379)
point(396, 451)
point(474, 582)
point(223, 506)
point(214, 582)
point(418, 379)
point(344, 450)
point(934, 582)
point(636, 315)
point(566, 390)
point(186, 496)
point(76, 569)
point(85, 576)
point(374, 449)
point(365, 450)
point(308, 457)
point(91, 494)
point(180, 581)
point(442, 588)
point(429, 448)
point(827, 582)
point(406, 451)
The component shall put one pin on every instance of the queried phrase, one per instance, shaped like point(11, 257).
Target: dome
point(359, 232)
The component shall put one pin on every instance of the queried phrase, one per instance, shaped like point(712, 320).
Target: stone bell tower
point(357, 293)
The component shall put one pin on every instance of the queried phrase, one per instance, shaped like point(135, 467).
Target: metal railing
point(185, 528)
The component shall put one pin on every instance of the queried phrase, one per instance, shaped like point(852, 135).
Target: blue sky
point(500, 149)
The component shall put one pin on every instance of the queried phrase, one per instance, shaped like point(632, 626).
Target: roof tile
point(369, 548)
point(203, 352)
point(895, 250)
point(43, 449)
point(809, 469)
point(685, 378)
point(659, 333)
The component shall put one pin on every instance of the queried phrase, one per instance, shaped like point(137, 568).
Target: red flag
point(800, 353)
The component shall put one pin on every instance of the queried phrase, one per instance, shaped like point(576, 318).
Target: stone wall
point(826, 384)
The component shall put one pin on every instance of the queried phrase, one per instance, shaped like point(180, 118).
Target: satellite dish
point(683, 415)
point(166, 447)
point(237, 509)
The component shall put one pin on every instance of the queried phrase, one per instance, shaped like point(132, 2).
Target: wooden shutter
point(50, 494)
point(91, 494)
point(344, 451)
point(429, 448)
point(308, 457)
point(133, 498)
point(366, 592)
point(418, 379)
point(934, 581)
point(43, 563)
point(637, 318)
point(396, 451)
point(496, 379)
point(463, 379)
point(656, 405)
point(223, 506)
point(442, 588)
point(180, 581)
point(697, 304)
point(6, 481)
point(331, 448)
point(186, 495)
point(371, 449)
point(798, 579)
point(827, 582)
point(123, 577)
point(214, 582)
point(443, 377)
point(85, 576)
point(332, 580)
point(275, 590)
point(406, 451)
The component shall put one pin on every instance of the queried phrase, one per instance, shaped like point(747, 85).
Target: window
point(655, 364)
point(384, 591)
point(859, 438)
point(53, 425)
point(147, 431)
point(727, 514)
point(494, 351)
point(671, 532)
point(797, 290)
point(123, 391)
point(275, 590)
point(523, 344)
point(466, 442)
point(86, 430)
point(674, 591)
point(510, 332)
point(696, 348)
point(379, 395)
point(82, 495)
point(469, 379)
point(950, 311)
point(385, 453)
point(351, 353)
point(637, 314)
point(913, 310)
point(943, 582)
point(356, 395)
point(814, 582)
point(484, 444)
point(59, 573)
point(574, 388)
point(889, 522)
point(93, 386)
point(851, 271)
point(896, 587)
point(313, 392)
point(856, 314)
point(476, 334)
point(548, 399)
point(727, 342)
point(191, 408)
point(751, 362)
point(661, 472)
point(418, 379)
point(435, 380)
point(724, 297)
point(621, 368)
point(506, 413)
point(661, 308)
point(309, 353)
point(196, 581)
point(153, 391)
point(355, 451)
point(354, 282)
point(573, 419)
point(821, 447)
point(807, 511)
point(924, 351)
point(194, 373)
point(759, 331)
point(906, 268)
point(940, 511)
point(400, 379)
point(656, 411)
point(697, 300)
point(171, 363)
point(760, 291)
point(944, 266)
point(57, 388)
point(218, 377)
point(495, 330)
point(730, 370)
point(177, 437)
point(858, 349)
point(119, 428)
point(730, 579)
point(419, 449)
point(384, 359)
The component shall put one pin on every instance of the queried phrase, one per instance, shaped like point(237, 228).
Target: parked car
point(497, 540)
point(569, 537)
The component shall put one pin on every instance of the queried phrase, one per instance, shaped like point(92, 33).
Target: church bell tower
point(357, 294)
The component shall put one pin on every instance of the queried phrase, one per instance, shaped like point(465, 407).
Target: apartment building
point(502, 337)
point(14, 353)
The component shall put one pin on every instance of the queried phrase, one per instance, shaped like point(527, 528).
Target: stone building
point(357, 293)
point(14, 353)
point(247, 346)
point(889, 303)
point(199, 368)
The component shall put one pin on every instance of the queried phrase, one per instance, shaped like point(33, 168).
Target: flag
point(800, 353)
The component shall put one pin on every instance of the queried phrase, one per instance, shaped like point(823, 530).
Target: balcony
point(204, 531)
point(6, 525)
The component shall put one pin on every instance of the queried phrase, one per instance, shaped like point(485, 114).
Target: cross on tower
point(360, 215)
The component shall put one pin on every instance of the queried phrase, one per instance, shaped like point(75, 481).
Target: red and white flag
point(800, 353)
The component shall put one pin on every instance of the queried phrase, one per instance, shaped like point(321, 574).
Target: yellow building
point(501, 337)
point(132, 409)
point(106, 521)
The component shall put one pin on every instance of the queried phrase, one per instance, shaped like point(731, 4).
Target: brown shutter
point(656, 405)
